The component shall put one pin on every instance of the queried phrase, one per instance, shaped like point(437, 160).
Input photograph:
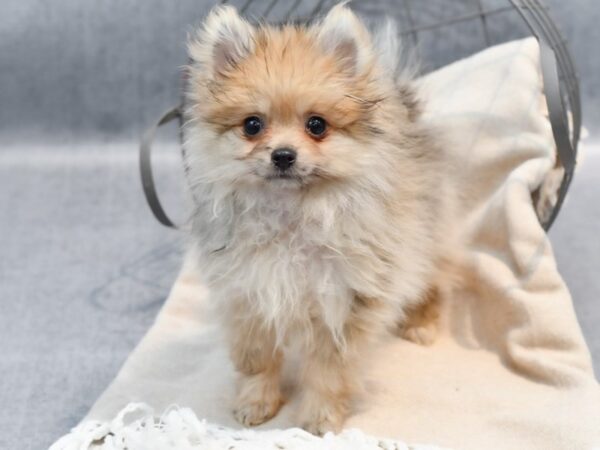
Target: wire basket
point(443, 30)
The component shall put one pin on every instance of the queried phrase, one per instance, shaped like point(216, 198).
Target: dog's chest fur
point(285, 265)
point(289, 260)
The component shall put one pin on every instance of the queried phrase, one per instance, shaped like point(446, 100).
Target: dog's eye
point(316, 126)
point(252, 125)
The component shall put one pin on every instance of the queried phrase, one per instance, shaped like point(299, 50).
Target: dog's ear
point(223, 41)
point(342, 34)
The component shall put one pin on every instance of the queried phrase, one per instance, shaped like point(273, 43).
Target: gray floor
point(85, 267)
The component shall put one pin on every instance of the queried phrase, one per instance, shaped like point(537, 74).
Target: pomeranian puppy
point(318, 191)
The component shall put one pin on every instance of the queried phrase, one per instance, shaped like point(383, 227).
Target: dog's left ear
point(224, 40)
point(342, 34)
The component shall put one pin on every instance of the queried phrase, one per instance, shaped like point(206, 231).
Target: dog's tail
point(394, 54)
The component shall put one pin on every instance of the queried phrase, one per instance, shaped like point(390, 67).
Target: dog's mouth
point(292, 176)
point(301, 177)
point(284, 176)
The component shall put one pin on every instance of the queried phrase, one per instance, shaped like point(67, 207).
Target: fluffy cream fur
point(336, 255)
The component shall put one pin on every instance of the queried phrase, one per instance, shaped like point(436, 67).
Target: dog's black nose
point(283, 158)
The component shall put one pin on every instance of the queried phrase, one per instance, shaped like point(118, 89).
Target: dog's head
point(286, 107)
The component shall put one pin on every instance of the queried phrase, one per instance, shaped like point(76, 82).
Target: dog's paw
point(422, 322)
point(322, 424)
point(319, 416)
point(259, 399)
point(424, 334)
point(254, 413)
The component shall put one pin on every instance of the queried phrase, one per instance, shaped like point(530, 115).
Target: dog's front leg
point(259, 364)
point(330, 380)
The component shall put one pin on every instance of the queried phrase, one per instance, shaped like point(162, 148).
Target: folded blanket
point(510, 369)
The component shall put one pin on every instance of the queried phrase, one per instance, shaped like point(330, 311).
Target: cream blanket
point(510, 370)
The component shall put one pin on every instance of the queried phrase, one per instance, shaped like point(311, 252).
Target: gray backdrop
point(83, 265)
point(105, 67)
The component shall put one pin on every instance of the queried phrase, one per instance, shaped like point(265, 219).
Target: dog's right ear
point(342, 34)
point(223, 41)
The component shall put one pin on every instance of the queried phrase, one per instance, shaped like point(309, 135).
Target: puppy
point(319, 215)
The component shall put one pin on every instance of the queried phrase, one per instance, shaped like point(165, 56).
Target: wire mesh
point(442, 31)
